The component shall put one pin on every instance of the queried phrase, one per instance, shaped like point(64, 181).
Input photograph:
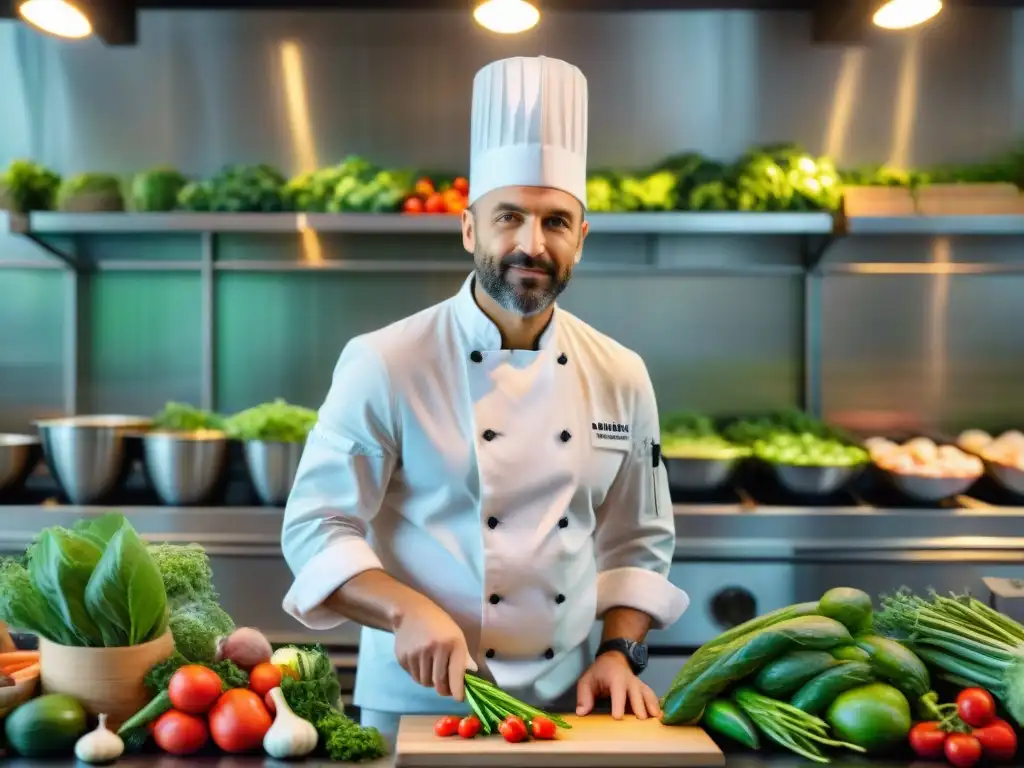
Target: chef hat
point(529, 127)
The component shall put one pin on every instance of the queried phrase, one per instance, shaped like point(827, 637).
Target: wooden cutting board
point(595, 741)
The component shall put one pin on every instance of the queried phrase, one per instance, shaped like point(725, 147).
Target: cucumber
point(744, 656)
point(850, 607)
point(896, 664)
point(784, 676)
point(711, 650)
point(726, 719)
point(850, 653)
point(47, 726)
point(818, 694)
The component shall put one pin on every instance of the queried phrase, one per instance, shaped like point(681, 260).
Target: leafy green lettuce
point(94, 585)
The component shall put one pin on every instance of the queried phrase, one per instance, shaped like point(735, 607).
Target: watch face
point(639, 654)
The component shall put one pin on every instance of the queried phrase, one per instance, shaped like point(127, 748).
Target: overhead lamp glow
point(506, 17)
point(903, 14)
point(58, 17)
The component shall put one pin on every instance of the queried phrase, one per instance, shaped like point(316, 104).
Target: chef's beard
point(532, 295)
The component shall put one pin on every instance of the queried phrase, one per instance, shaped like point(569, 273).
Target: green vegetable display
point(875, 717)
point(850, 607)
point(745, 656)
point(354, 185)
point(725, 718)
point(969, 643)
point(94, 585)
point(26, 186)
point(316, 698)
point(156, 189)
point(896, 664)
point(237, 189)
point(186, 572)
point(89, 192)
point(796, 439)
point(278, 421)
point(694, 436)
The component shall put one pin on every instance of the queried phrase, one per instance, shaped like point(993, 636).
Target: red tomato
point(461, 184)
point(542, 728)
point(264, 678)
point(179, 734)
point(454, 201)
point(513, 729)
point(927, 740)
point(469, 727)
point(424, 188)
point(976, 707)
point(436, 204)
point(239, 721)
point(413, 205)
point(998, 740)
point(962, 750)
point(194, 689)
point(446, 726)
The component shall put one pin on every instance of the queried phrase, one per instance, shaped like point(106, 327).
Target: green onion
point(964, 638)
point(492, 705)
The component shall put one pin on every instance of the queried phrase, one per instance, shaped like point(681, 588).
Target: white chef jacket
point(517, 489)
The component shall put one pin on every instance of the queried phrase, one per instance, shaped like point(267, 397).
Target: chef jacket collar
point(480, 332)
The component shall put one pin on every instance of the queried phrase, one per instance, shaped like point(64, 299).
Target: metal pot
point(90, 457)
point(272, 467)
point(186, 467)
point(691, 474)
point(815, 481)
point(19, 455)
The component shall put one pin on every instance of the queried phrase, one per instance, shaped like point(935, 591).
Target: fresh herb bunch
point(491, 705)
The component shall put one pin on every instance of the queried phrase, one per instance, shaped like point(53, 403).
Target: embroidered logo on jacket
point(610, 430)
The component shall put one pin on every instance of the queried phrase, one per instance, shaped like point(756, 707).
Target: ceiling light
point(903, 14)
point(506, 17)
point(58, 17)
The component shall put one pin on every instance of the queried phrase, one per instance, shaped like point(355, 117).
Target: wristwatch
point(635, 652)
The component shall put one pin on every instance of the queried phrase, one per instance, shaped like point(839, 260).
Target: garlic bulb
point(290, 735)
point(99, 746)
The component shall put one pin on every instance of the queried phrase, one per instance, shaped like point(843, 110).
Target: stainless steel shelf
point(936, 225)
point(465, 266)
point(375, 223)
point(11, 222)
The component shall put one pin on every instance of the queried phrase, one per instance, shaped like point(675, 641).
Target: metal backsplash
point(301, 89)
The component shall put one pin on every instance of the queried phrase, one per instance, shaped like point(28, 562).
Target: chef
point(484, 478)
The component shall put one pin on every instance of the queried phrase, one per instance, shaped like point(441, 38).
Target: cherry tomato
point(194, 689)
point(513, 729)
point(264, 678)
point(424, 188)
point(413, 205)
point(962, 750)
point(976, 707)
point(542, 728)
point(180, 734)
point(446, 726)
point(927, 740)
point(461, 184)
point(998, 740)
point(239, 721)
point(469, 727)
point(436, 204)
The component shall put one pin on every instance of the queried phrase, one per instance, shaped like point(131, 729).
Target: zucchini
point(784, 676)
point(818, 694)
point(710, 651)
point(896, 664)
point(726, 719)
point(850, 607)
point(744, 656)
point(850, 653)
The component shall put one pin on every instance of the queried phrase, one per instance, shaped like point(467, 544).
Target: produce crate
point(969, 200)
point(878, 201)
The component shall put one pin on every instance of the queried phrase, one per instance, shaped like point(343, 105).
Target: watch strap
point(635, 653)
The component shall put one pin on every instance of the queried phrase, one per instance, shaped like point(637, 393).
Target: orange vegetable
point(26, 674)
point(264, 678)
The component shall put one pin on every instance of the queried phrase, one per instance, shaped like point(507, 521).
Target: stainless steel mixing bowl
point(19, 455)
point(272, 467)
point(90, 457)
point(186, 467)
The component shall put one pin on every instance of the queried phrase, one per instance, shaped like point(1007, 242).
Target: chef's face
point(525, 242)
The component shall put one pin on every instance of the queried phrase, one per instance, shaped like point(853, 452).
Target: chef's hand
point(432, 649)
point(611, 676)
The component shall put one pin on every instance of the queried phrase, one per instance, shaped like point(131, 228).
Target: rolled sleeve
point(636, 535)
point(340, 485)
